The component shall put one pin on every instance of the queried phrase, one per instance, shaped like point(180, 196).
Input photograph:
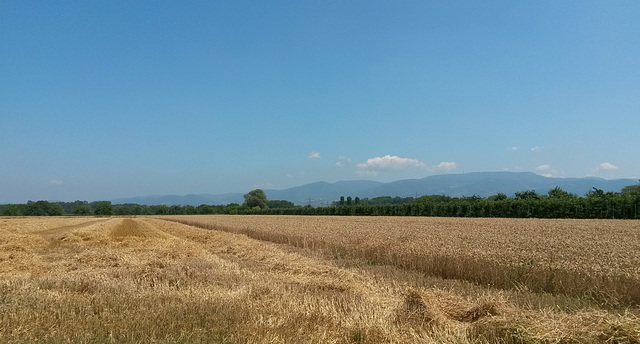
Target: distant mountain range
point(482, 184)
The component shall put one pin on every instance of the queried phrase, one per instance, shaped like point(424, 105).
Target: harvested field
point(136, 228)
point(592, 258)
point(136, 280)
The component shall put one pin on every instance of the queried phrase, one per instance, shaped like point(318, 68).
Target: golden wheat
point(87, 280)
point(594, 258)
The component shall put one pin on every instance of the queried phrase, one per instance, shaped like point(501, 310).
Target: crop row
point(596, 259)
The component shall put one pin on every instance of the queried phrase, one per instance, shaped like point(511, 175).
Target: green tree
point(255, 198)
point(189, 210)
point(278, 204)
point(82, 210)
point(12, 210)
point(631, 189)
point(498, 197)
point(162, 209)
point(206, 209)
point(596, 193)
point(55, 209)
point(103, 208)
point(557, 192)
point(43, 208)
point(529, 194)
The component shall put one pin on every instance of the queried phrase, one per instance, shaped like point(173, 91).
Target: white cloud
point(56, 182)
point(544, 167)
point(389, 162)
point(604, 167)
point(447, 166)
point(607, 166)
point(547, 170)
point(314, 155)
point(342, 161)
point(513, 148)
point(536, 149)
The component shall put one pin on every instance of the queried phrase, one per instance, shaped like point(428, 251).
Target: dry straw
point(145, 280)
point(596, 259)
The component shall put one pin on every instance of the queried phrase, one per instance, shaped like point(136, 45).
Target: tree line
point(106, 208)
point(556, 203)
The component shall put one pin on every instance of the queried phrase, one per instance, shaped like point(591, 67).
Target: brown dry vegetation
point(88, 280)
point(598, 259)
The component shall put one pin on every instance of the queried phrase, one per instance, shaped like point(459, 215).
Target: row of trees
point(254, 201)
point(46, 208)
point(557, 203)
point(384, 200)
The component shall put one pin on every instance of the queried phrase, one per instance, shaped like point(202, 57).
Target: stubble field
point(277, 279)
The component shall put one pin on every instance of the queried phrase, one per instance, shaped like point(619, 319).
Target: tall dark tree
point(256, 198)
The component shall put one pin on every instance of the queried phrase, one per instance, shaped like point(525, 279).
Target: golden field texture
point(146, 280)
point(597, 259)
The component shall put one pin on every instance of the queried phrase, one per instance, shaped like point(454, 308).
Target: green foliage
point(205, 209)
point(498, 197)
point(43, 208)
point(255, 198)
point(103, 208)
point(557, 203)
point(631, 189)
point(132, 209)
point(82, 210)
point(528, 194)
point(279, 204)
point(12, 210)
point(596, 193)
point(557, 192)
point(383, 200)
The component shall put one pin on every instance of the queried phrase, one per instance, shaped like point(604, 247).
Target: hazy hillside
point(183, 200)
point(322, 192)
point(485, 184)
point(482, 184)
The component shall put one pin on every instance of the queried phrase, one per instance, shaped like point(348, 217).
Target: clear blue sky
point(106, 99)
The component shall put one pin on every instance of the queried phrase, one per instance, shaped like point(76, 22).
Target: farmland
point(281, 279)
point(596, 257)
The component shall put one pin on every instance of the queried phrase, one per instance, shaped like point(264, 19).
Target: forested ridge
point(556, 203)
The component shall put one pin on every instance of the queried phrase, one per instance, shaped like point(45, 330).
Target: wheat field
point(592, 258)
point(254, 279)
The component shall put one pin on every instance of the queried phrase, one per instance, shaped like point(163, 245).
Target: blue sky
point(100, 100)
